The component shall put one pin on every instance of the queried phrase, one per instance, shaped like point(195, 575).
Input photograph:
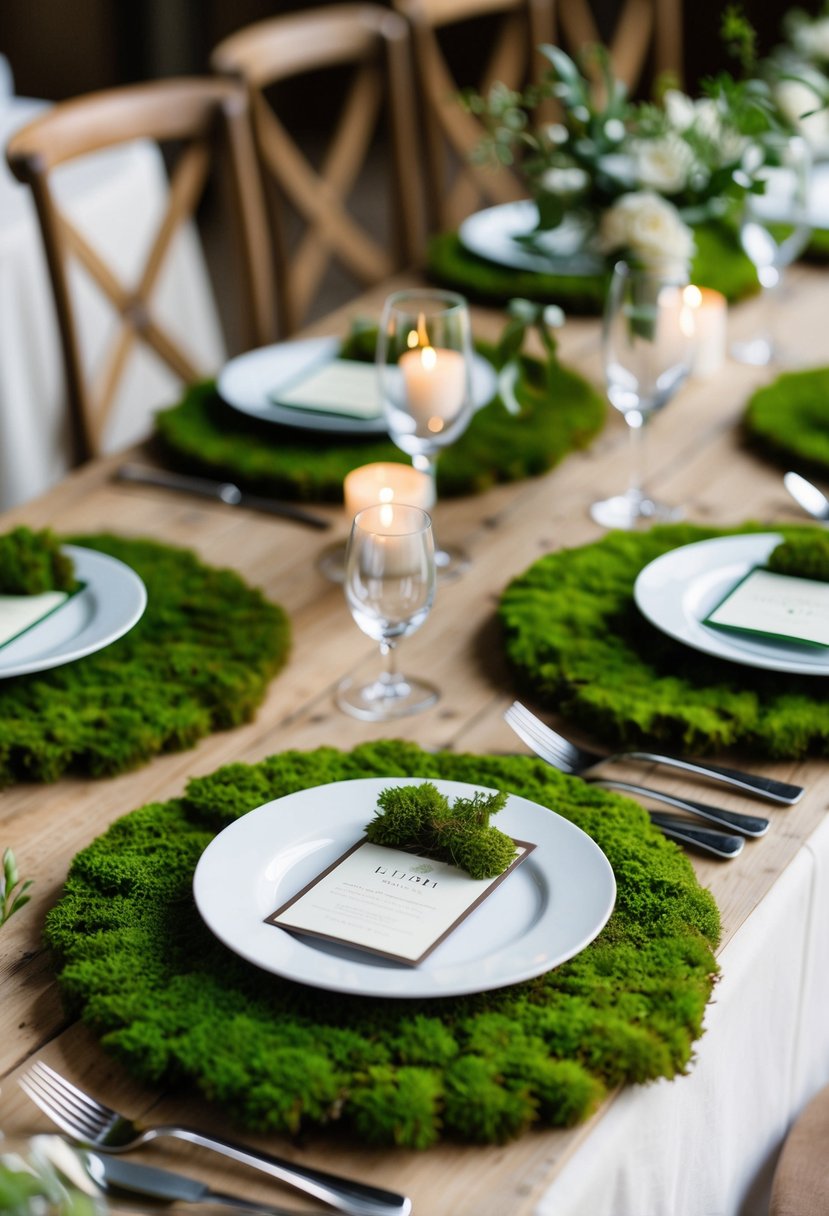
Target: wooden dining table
point(696, 458)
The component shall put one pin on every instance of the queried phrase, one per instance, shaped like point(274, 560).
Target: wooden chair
point(457, 187)
point(641, 26)
point(206, 118)
point(801, 1181)
point(374, 44)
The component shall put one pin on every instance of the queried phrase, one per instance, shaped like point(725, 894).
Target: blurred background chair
point(801, 1179)
point(129, 248)
point(644, 37)
point(508, 31)
point(310, 182)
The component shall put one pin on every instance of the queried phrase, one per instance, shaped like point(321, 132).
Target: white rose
point(663, 164)
point(564, 180)
point(679, 109)
point(649, 227)
point(812, 38)
point(796, 99)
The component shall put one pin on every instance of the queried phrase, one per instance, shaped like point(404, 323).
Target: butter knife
point(813, 501)
point(223, 491)
point(112, 1175)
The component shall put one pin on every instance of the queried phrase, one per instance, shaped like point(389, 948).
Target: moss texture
point(577, 640)
point(818, 248)
point(789, 419)
point(561, 411)
point(178, 1008)
point(719, 263)
point(33, 562)
point(802, 556)
point(199, 660)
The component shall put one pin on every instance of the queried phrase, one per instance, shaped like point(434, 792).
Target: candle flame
point(692, 296)
point(428, 358)
point(386, 515)
point(386, 494)
point(422, 332)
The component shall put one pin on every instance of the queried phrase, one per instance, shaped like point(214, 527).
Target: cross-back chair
point(644, 30)
point(372, 43)
point(207, 120)
point(457, 186)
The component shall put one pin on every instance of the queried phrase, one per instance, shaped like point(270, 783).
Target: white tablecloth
point(117, 199)
point(706, 1144)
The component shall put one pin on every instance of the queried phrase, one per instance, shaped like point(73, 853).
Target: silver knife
point(112, 1174)
point(223, 491)
point(807, 496)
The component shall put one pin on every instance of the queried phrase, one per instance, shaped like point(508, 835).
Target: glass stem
point(636, 422)
point(389, 653)
point(427, 463)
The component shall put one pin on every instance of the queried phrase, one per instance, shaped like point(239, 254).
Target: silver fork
point(98, 1126)
point(534, 734)
point(578, 760)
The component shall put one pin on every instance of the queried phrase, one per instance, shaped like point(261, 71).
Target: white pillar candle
point(710, 313)
point(435, 384)
point(387, 483)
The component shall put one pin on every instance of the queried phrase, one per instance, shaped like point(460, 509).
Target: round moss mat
point(560, 412)
point(579, 643)
point(199, 660)
point(178, 1008)
point(719, 263)
point(789, 419)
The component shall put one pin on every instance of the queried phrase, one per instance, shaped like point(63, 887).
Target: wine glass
point(424, 360)
point(647, 345)
point(389, 587)
point(775, 229)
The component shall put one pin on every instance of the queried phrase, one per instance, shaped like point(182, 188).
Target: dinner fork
point(579, 760)
point(92, 1123)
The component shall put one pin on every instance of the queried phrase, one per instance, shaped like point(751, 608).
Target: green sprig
point(9, 883)
point(524, 316)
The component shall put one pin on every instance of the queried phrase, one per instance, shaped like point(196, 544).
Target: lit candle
point(387, 483)
point(710, 329)
point(436, 388)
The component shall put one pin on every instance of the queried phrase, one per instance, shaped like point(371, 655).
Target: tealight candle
point(387, 483)
point(435, 381)
point(710, 314)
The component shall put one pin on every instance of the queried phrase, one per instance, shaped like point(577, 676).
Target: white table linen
point(117, 199)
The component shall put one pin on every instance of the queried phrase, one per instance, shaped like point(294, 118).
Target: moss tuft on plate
point(199, 660)
point(561, 412)
point(178, 1008)
point(579, 644)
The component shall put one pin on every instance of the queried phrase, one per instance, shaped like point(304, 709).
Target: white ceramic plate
point(678, 590)
point(246, 383)
point(491, 234)
point(113, 599)
point(554, 904)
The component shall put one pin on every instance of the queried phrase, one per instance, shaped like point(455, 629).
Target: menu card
point(340, 386)
point(778, 606)
point(18, 613)
point(391, 903)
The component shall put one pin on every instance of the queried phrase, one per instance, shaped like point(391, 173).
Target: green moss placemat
point(578, 641)
point(719, 263)
point(199, 660)
point(178, 1008)
point(560, 412)
point(789, 419)
point(818, 247)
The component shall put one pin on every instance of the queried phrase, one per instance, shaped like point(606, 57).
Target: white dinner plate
point(549, 909)
point(678, 590)
point(248, 382)
point(492, 233)
point(111, 602)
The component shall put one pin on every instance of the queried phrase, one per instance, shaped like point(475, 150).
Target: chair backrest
point(457, 186)
point(205, 119)
point(372, 44)
point(644, 30)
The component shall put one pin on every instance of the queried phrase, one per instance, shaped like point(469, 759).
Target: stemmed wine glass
point(647, 345)
point(775, 229)
point(424, 360)
point(389, 587)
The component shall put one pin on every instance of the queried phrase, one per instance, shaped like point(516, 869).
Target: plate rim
point(527, 260)
point(385, 983)
point(717, 644)
point(71, 654)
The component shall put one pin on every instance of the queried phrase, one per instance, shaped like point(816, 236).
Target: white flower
point(812, 38)
point(648, 227)
point(679, 110)
point(663, 164)
point(564, 180)
point(796, 99)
